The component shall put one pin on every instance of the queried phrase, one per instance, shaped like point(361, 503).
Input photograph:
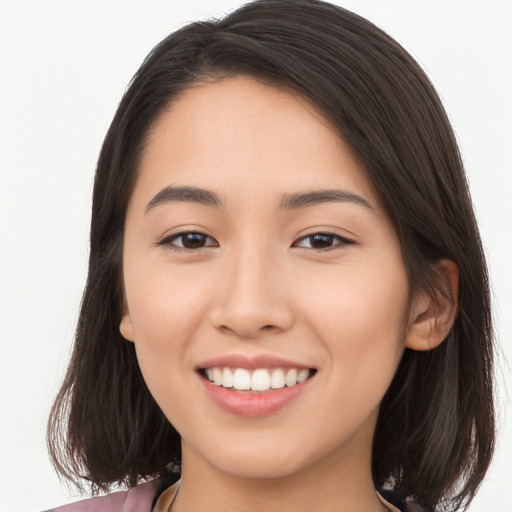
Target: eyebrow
point(296, 201)
point(187, 194)
point(289, 201)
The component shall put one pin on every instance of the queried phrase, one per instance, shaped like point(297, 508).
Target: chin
point(255, 458)
point(261, 467)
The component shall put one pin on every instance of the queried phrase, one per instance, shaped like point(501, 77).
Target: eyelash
point(342, 241)
point(169, 241)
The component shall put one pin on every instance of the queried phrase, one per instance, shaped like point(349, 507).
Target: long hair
point(435, 432)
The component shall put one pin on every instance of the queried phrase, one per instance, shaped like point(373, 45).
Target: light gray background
point(63, 68)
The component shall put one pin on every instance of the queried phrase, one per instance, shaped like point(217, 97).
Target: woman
point(287, 294)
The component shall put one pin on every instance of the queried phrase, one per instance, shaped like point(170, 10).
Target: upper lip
point(251, 362)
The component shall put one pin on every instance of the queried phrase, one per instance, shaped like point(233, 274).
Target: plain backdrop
point(63, 68)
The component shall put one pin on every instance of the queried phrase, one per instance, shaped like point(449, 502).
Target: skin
point(258, 286)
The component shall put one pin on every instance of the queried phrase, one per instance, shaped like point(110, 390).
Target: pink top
point(138, 499)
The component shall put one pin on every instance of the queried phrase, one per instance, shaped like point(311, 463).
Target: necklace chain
point(169, 508)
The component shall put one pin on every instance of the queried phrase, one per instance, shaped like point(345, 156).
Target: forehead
point(243, 135)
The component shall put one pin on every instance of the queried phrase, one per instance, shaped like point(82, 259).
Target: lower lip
point(253, 404)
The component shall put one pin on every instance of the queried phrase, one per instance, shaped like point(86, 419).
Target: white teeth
point(242, 379)
point(261, 379)
point(227, 378)
point(302, 375)
point(291, 377)
point(217, 376)
point(277, 379)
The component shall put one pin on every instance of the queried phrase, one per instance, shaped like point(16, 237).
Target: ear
point(432, 317)
point(126, 327)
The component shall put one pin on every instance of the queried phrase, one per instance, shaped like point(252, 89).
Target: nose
point(252, 299)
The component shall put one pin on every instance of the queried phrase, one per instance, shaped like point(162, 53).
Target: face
point(256, 254)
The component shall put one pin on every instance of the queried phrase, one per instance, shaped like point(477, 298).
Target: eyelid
point(166, 240)
point(343, 240)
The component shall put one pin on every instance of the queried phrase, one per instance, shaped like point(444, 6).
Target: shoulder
point(137, 499)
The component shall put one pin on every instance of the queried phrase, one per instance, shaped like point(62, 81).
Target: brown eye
point(321, 241)
point(190, 240)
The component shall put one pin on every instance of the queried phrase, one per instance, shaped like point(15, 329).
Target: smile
point(254, 387)
point(256, 380)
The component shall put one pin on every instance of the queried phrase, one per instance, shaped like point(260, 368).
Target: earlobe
point(433, 317)
point(126, 327)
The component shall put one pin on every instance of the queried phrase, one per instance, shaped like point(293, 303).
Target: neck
point(334, 484)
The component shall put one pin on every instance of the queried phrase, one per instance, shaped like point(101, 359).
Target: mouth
point(254, 385)
point(258, 380)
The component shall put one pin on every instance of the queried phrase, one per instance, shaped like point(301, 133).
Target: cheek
point(164, 304)
point(166, 309)
point(166, 315)
point(360, 314)
point(359, 318)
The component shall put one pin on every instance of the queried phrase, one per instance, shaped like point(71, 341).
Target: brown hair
point(435, 433)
